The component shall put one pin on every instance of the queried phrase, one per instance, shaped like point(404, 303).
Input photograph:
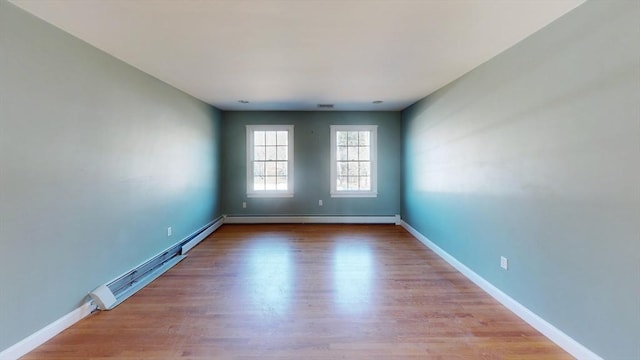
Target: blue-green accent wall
point(97, 159)
point(535, 155)
point(311, 164)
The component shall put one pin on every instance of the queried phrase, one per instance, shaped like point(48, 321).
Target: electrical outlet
point(319, 202)
point(169, 232)
point(504, 263)
point(244, 204)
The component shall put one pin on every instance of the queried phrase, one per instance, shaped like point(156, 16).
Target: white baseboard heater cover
point(103, 297)
point(196, 239)
point(113, 293)
point(106, 299)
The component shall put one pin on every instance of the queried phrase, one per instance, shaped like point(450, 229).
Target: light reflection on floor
point(352, 277)
point(271, 276)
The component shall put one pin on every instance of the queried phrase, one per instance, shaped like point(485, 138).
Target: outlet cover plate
point(504, 262)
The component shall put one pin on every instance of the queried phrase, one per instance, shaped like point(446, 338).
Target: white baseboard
point(312, 220)
point(554, 334)
point(200, 230)
point(43, 335)
point(201, 236)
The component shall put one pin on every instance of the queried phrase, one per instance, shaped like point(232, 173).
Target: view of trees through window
point(270, 160)
point(353, 160)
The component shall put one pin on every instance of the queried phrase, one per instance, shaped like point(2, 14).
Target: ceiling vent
point(325, 106)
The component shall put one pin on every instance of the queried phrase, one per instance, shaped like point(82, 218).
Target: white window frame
point(250, 158)
point(373, 156)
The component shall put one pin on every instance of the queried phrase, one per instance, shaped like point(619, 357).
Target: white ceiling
point(292, 55)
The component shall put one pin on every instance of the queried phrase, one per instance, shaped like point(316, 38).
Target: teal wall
point(96, 160)
point(311, 164)
point(535, 155)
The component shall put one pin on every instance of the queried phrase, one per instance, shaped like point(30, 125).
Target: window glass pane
point(258, 183)
point(281, 153)
point(363, 138)
point(353, 168)
point(270, 152)
point(342, 183)
point(270, 168)
point(258, 137)
point(342, 153)
point(270, 137)
point(353, 153)
point(281, 183)
point(341, 138)
point(365, 184)
point(353, 156)
point(352, 138)
point(365, 168)
point(282, 137)
point(281, 168)
point(258, 153)
point(258, 168)
point(363, 153)
point(270, 183)
point(343, 169)
point(352, 183)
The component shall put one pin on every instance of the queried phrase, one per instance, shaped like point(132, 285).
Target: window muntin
point(353, 161)
point(269, 160)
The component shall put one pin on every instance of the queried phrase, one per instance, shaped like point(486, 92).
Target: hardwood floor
point(306, 292)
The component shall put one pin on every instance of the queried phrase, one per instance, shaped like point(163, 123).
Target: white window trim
point(373, 129)
point(250, 156)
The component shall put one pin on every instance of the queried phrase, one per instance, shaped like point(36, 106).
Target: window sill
point(270, 195)
point(347, 194)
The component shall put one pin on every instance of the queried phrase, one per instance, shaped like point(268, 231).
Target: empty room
point(320, 179)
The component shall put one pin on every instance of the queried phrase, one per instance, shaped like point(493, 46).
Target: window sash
point(269, 160)
point(353, 160)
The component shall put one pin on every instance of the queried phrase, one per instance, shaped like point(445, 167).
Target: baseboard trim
point(554, 334)
point(311, 219)
point(202, 235)
point(43, 335)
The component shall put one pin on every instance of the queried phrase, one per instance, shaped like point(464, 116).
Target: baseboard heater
point(113, 293)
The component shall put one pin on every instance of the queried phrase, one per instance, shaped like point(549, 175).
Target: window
point(354, 161)
point(269, 160)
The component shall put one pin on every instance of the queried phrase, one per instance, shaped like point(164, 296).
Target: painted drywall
point(311, 164)
point(97, 159)
point(535, 155)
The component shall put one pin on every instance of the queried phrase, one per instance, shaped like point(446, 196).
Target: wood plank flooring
point(306, 292)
